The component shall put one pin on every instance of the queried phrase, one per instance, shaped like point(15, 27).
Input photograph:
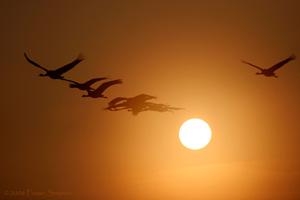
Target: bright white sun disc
point(195, 133)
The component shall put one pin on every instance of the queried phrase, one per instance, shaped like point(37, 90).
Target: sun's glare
point(195, 133)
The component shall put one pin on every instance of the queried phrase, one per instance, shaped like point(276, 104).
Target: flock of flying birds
point(135, 104)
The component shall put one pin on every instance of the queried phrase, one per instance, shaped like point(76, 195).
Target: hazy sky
point(188, 54)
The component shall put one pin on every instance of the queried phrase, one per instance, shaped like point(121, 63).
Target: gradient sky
point(188, 54)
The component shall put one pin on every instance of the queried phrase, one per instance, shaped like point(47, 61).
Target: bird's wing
point(107, 84)
point(119, 103)
point(70, 65)
point(252, 65)
point(35, 64)
point(92, 81)
point(143, 97)
point(280, 64)
point(173, 108)
point(117, 100)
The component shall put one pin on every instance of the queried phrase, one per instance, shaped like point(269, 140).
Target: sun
point(195, 133)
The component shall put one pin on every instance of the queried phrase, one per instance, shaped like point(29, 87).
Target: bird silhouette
point(117, 101)
point(161, 107)
point(134, 104)
point(270, 71)
point(86, 85)
point(57, 74)
point(98, 92)
point(141, 98)
point(138, 104)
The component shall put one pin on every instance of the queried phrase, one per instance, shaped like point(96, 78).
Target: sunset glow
point(195, 134)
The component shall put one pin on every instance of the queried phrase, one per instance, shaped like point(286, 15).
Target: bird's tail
point(292, 57)
point(81, 56)
point(118, 81)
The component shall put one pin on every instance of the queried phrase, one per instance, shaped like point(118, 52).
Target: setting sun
point(195, 134)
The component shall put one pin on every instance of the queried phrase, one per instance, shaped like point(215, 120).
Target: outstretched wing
point(119, 103)
point(107, 84)
point(92, 81)
point(70, 65)
point(143, 97)
point(280, 64)
point(251, 65)
point(35, 64)
point(116, 101)
point(161, 107)
point(174, 108)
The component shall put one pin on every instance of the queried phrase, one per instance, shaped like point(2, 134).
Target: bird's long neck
point(44, 74)
point(73, 85)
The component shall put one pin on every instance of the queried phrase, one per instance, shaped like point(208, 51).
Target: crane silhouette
point(57, 74)
point(121, 103)
point(118, 103)
point(98, 92)
point(138, 104)
point(270, 71)
point(86, 85)
point(161, 107)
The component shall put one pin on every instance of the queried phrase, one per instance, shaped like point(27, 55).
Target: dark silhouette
point(118, 103)
point(98, 92)
point(161, 107)
point(141, 98)
point(138, 104)
point(57, 74)
point(86, 85)
point(121, 103)
point(270, 71)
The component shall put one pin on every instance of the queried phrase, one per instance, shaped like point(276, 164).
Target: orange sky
point(188, 54)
